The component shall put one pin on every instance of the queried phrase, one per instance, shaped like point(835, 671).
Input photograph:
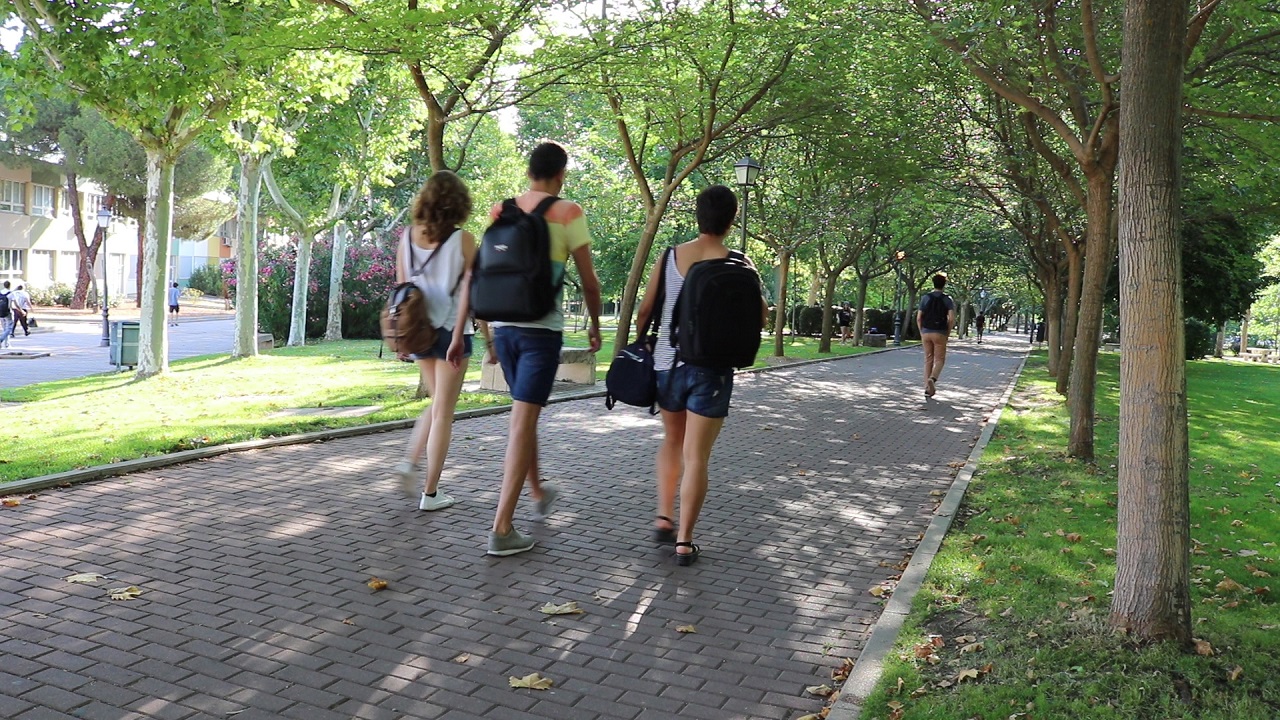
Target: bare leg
point(939, 357)
point(422, 428)
point(444, 400)
point(700, 434)
point(522, 444)
point(929, 344)
point(669, 465)
point(534, 476)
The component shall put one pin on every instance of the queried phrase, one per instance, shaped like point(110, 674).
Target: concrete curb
point(870, 664)
point(62, 479)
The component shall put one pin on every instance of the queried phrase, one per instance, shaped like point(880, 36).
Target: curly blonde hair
point(442, 204)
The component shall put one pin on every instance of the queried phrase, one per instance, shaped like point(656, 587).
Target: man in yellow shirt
point(530, 351)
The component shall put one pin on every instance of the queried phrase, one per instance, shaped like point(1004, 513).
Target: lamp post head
point(104, 218)
point(747, 171)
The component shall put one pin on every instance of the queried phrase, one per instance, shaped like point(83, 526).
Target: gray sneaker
point(509, 544)
point(410, 476)
point(548, 501)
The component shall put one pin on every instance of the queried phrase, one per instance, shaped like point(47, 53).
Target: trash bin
point(124, 343)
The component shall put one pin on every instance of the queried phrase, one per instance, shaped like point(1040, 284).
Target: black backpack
point(716, 322)
point(4, 305)
point(934, 312)
point(511, 278)
point(632, 379)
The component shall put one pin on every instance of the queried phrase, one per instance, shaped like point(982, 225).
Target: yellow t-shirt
point(567, 225)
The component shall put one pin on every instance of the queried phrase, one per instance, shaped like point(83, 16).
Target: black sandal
point(687, 558)
point(665, 536)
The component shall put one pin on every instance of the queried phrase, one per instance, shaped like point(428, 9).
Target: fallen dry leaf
point(810, 716)
point(971, 647)
point(11, 502)
point(377, 584)
point(840, 674)
point(1074, 537)
point(820, 690)
point(879, 590)
point(569, 608)
point(124, 593)
point(1228, 585)
point(686, 629)
point(533, 681)
point(462, 658)
point(1202, 647)
point(1247, 553)
point(967, 674)
point(1235, 673)
point(962, 639)
point(85, 578)
point(895, 705)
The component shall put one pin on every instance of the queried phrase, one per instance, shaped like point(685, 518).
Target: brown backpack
point(406, 324)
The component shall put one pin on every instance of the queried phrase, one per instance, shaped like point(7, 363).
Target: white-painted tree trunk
point(301, 279)
point(333, 328)
point(246, 340)
point(153, 338)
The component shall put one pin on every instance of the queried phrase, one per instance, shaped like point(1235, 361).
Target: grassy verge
point(1011, 621)
point(212, 400)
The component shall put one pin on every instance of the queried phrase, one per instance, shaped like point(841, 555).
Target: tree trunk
point(860, 314)
point(301, 280)
point(1084, 358)
point(1219, 341)
point(780, 302)
point(1244, 331)
point(815, 284)
point(153, 338)
point(333, 328)
point(1053, 321)
point(1153, 535)
point(246, 340)
point(1071, 314)
point(828, 297)
point(88, 251)
point(653, 218)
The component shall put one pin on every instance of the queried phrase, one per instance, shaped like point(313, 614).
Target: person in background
point(980, 324)
point(21, 302)
point(174, 294)
point(6, 314)
point(936, 318)
point(844, 318)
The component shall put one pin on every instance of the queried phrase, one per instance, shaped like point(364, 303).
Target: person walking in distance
point(844, 318)
point(529, 352)
point(20, 299)
point(694, 400)
point(174, 294)
point(980, 324)
point(442, 205)
point(935, 318)
point(6, 314)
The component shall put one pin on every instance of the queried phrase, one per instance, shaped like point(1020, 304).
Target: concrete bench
point(874, 339)
point(266, 342)
point(1256, 354)
point(577, 366)
point(1111, 347)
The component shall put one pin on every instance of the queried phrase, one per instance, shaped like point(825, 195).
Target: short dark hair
point(716, 208)
point(939, 281)
point(175, 284)
point(547, 161)
point(6, 283)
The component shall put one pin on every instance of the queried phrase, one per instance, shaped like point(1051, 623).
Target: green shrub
point(805, 320)
point(1200, 338)
point(57, 294)
point(207, 279)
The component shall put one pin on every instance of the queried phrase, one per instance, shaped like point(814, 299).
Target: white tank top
point(439, 279)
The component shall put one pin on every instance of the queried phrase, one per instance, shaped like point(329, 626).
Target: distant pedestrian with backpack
point(435, 255)
point(518, 286)
point(844, 318)
point(6, 314)
point(980, 324)
point(21, 308)
point(936, 318)
point(174, 294)
point(712, 306)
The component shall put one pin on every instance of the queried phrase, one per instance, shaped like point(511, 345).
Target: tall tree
point(1152, 598)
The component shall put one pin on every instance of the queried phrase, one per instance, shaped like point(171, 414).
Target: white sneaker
point(410, 476)
point(441, 501)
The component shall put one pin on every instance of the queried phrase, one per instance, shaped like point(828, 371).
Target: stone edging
point(125, 467)
point(870, 664)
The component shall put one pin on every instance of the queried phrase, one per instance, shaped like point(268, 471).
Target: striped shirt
point(664, 355)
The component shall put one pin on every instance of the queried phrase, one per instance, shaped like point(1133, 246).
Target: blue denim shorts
point(440, 349)
point(701, 391)
point(529, 358)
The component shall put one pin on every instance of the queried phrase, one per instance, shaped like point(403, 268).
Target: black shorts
point(173, 308)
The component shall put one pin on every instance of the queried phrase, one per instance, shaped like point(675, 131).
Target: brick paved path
point(254, 566)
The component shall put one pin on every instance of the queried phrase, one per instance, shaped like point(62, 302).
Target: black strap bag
point(631, 379)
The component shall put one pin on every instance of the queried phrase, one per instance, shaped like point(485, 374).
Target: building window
point(42, 201)
point(13, 196)
point(11, 261)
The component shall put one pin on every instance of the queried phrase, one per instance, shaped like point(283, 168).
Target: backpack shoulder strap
point(545, 205)
point(660, 298)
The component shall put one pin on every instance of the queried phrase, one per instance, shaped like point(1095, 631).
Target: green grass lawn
point(1012, 619)
point(213, 400)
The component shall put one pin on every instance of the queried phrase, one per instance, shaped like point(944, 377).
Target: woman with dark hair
point(436, 255)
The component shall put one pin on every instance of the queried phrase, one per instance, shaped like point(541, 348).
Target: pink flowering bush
point(367, 279)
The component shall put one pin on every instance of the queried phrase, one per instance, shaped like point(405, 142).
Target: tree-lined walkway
point(254, 566)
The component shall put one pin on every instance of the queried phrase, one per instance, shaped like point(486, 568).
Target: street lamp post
point(897, 293)
point(747, 171)
point(104, 221)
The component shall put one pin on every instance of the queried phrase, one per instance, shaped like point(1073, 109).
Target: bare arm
point(401, 251)
point(650, 295)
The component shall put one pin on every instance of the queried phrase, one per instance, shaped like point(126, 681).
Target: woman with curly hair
point(442, 205)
